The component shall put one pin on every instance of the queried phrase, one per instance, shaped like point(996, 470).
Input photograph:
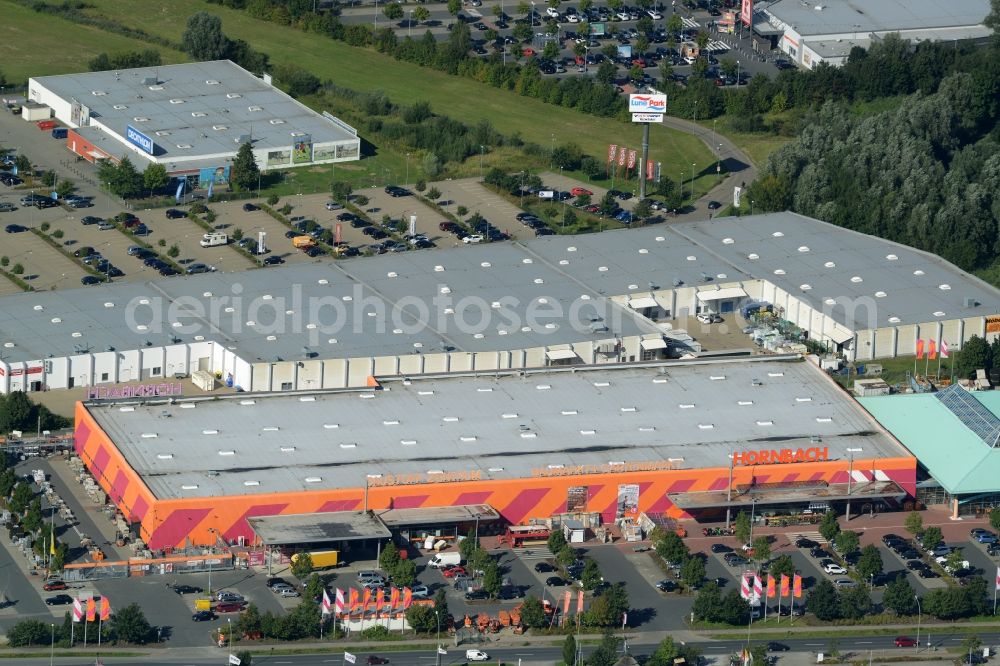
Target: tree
point(422, 619)
point(454, 7)
point(971, 644)
point(130, 625)
point(566, 556)
point(675, 24)
point(608, 608)
point(492, 581)
point(855, 602)
point(203, 38)
point(931, 538)
point(708, 604)
point(28, 632)
point(468, 545)
point(693, 571)
point(975, 355)
point(302, 565)
point(421, 13)
point(65, 188)
point(742, 528)
point(606, 653)
point(154, 177)
point(828, 526)
point(533, 613)
point(126, 182)
point(782, 564)
point(389, 558)
point(569, 651)
point(824, 602)
point(393, 11)
point(995, 518)
point(569, 216)
point(870, 562)
point(591, 576)
point(17, 269)
point(899, 598)
point(551, 50)
point(642, 210)
point(914, 524)
point(761, 549)
point(671, 547)
point(245, 172)
point(340, 190)
point(606, 72)
point(173, 252)
point(314, 587)
point(48, 178)
point(22, 163)
point(847, 542)
point(556, 541)
point(735, 609)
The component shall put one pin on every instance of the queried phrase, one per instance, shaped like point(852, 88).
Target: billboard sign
point(746, 12)
point(647, 117)
point(780, 456)
point(302, 150)
point(625, 51)
point(140, 140)
point(647, 103)
point(597, 29)
point(213, 175)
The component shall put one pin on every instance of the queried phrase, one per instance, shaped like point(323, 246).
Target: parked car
point(186, 589)
point(372, 660)
point(708, 318)
point(834, 568)
point(203, 616)
point(555, 581)
point(666, 585)
point(7, 207)
point(476, 595)
point(174, 214)
point(721, 548)
point(54, 585)
point(288, 592)
point(15, 229)
point(544, 567)
point(230, 607)
point(473, 238)
point(59, 600)
point(249, 207)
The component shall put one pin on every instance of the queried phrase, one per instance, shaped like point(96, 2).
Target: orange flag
point(91, 610)
point(931, 349)
point(353, 599)
point(579, 602)
point(368, 600)
point(105, 609)
point(566, 601)
point(784, 585)
point(920, 348)
point(770, 587)
point(797, 586)
point(379, 599)
point(394, 598)
point(407, 597)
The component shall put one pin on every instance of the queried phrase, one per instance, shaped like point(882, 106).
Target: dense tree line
point(203, 39)
point(926, 174)
point(126, 60)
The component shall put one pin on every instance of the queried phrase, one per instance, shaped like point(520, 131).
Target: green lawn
point(41, 45)
point(758, 146)
point(459, 98)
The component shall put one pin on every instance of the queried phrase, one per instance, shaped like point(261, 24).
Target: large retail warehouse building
point(614, 440)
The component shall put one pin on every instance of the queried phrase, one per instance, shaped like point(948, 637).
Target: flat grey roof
point(438, 515)
point(318, 527)
point(205, 105)
point(873, 283)
point(828, 17)
point(840, 48)
point(492, 426)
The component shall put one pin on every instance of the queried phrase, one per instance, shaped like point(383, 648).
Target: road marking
point(812, 644)
point(523, 654)
point(864, 642)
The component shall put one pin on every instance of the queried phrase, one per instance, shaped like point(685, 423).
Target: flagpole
point(779, 605)
point(85, 623)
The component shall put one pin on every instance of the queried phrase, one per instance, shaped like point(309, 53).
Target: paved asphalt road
point(883, 646)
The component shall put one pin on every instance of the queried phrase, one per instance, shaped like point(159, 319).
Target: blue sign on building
point(139, 139)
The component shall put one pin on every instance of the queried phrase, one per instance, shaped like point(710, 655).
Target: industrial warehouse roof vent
point(149, 81)
point(972, 413)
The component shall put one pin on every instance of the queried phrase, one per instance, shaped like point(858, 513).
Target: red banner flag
point(105, 609)
point(931, 349)
point(784, 585)
point(770, 586)
point(407, 598)
point(338, 234)
point(379, 599)
point(920, 348)
point(354, 599)
point(340, 601)
point(394, 598)
point(797, 586)
point(631, 158)
point(612, 151)
point(579, 602)
point(944, 349)
point(622, 156)
point(566, 602)
point(77, 610)
point(91, 610)
point(326, 608)
point(367, 600)
point(650, 169)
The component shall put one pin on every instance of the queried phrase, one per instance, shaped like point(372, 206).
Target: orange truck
point(303, 242)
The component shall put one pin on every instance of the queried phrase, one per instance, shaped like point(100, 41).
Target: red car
point(580, 191)
point(905, 641)
point(55, 585)
point(592, 208)
point(229, 607)
point(451, 572)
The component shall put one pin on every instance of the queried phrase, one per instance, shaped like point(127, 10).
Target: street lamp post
point(437, 650)
point(229, 620)
point(850, 476)
point(482, 152)
point(52, 644)
point(919, 613)
point(407, 168)
point(692, 182)
point(521, 191)
point(409, 25)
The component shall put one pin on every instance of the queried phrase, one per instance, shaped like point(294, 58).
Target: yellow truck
point(321, 559)
point(303, 242)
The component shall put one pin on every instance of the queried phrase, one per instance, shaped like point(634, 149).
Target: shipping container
point(46, 124)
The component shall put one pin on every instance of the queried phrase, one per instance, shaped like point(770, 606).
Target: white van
point(476, 655)
point(214, 239)
point(442, 560)
point(365, 576)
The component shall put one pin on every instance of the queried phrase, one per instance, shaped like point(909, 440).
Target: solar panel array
point(972, 413)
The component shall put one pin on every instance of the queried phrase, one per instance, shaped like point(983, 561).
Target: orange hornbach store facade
point(687, 440)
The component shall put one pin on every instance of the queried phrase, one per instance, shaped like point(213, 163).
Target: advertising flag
point(180, 191)
point(77, 610)
point(579, 602)
point(566, 601)
point(394, 598)
point(407, 598)
point(920, 348)
point(367, 600)
point(210, 184)
point(770, 587)
point(354, 598)
point(631, 158)
point(350, 658)
point(931, 349)
point(784, 585)
point(340, 601)
point(998, 578)
point(745, 585)
point(105, 609)
point(52, 540)
point(612, 151)
point(234, 660)
point(91, 610)
point(797, 586)
point(326, 603)
point(622, 156)
point(338, 234)
point(746, 12)
point(758, 588)
point(379, 600)
point(944, 349)
point(650, 168)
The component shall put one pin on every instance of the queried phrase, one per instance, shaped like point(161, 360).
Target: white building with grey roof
point(191, 118)
point(617, 296)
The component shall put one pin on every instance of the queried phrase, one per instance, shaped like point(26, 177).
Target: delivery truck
point(442, 560)
point(321, 559)
point(303, 242)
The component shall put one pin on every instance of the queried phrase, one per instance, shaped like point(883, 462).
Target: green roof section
point(953, 454)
